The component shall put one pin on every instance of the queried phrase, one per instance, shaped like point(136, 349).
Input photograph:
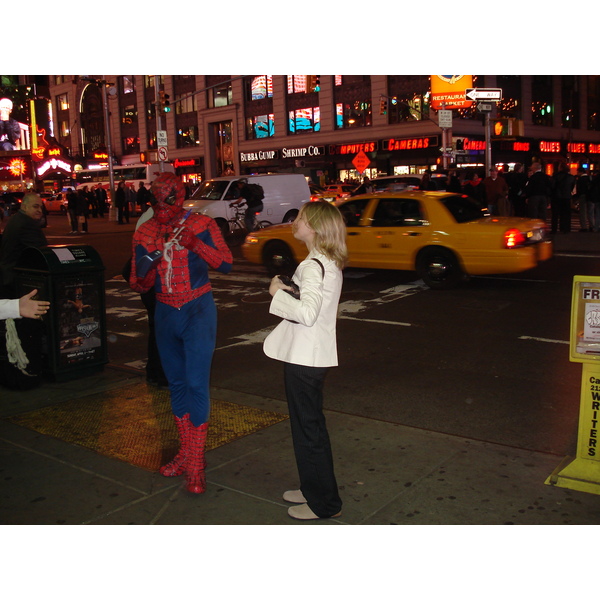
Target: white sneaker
point(294, 496)
point(304, 513)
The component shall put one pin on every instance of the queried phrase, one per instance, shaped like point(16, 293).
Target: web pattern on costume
point(181, 274)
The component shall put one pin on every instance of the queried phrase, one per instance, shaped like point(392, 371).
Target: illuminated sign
point(17, 166)
point(448, 91)
point(302, 152)
point(260, 155)
point(594, 148)
point(53, 164)
point(353, 148)
point(549, 146)
point(410, 143)
point(521, 146)
point(576, 148)
point(100, 156)
point(184, 163)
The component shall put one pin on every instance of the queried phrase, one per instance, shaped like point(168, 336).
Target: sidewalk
point(387, 473)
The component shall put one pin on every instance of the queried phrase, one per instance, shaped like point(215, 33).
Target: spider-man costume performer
point(186, 315)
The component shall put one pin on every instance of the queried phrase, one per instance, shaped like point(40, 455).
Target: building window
point(149, 80)
point(127, 84)
point(352, 95)
point(355, 114)
point(542, 100)
point(186, 103)
point(260, 127)
point(187, 137)
point(129, 115)
point(510, 105)
point(593, 102)
point(302, 84)
point(63, 102)
point(303, 120)
point(131, 145)
point(260, 87)
point(408, 98)
point(220, 93)
point(570, 101)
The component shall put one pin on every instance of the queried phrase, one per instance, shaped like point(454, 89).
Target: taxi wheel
point(438, 268)
point(278, 259)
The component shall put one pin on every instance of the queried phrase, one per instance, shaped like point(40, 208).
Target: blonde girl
point(305, 341)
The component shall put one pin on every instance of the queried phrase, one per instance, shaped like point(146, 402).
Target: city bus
point(131, 174)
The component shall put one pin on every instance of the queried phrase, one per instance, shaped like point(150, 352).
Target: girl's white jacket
point(311, 340)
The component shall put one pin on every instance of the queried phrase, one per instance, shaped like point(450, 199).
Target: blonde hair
point(328, 224)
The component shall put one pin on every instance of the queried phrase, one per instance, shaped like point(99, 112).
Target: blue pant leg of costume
point(186, 342)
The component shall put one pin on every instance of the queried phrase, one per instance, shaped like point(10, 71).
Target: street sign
point(361, 161)
point(445, 119)
point(161, 138)
point(483, 94)
point(162, 153)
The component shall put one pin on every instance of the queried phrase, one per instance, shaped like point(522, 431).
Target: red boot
point(195, 464)
point(177, 465)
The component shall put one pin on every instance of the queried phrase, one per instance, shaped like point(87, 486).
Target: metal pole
point(111, 173)
point(158, 119)
point(488, 145)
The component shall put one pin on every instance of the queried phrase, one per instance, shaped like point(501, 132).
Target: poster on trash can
point(80, 334)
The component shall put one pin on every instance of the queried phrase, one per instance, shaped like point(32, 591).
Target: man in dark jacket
point(23, 230)
point(537, 191)
point(562, 190)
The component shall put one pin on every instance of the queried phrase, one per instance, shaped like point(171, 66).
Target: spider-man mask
point(169, 192)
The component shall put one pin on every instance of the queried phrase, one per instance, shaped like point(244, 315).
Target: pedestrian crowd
point(533, 194)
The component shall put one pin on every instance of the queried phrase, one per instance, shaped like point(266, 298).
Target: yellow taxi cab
point(334, 192)
point(444, 237)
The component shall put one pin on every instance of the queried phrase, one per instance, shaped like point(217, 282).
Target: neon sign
point(17, 166)
point(410, 143)
point(550, 146)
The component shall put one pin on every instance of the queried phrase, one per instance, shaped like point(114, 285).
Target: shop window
point(304, 120)
point(260, 87)
point(261, 126)
point(354, 114)
point(187, 137)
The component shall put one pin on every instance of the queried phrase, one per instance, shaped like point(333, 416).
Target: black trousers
point(312, 448)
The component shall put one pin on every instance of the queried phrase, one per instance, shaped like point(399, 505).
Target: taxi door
point(397, 228)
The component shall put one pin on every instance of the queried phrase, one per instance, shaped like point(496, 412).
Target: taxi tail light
point(514, 238)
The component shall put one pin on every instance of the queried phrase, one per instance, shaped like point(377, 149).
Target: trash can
point(72, 279)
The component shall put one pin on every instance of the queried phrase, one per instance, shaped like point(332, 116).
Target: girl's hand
point(276, 284)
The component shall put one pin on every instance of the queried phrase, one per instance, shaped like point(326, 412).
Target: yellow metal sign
point(582, 473)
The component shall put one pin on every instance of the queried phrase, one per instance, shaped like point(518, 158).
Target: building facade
point(326, 127)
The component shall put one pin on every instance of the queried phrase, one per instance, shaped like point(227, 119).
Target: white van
point(285, 193)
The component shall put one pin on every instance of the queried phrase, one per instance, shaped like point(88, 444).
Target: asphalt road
point(487, 360)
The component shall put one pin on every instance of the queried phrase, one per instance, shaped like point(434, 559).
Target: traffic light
point(383, 106)
point(163, 101)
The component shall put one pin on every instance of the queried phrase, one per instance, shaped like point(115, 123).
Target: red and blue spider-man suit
point(185, 317)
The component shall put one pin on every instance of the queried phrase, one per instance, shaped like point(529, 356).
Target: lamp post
point(102, 83)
